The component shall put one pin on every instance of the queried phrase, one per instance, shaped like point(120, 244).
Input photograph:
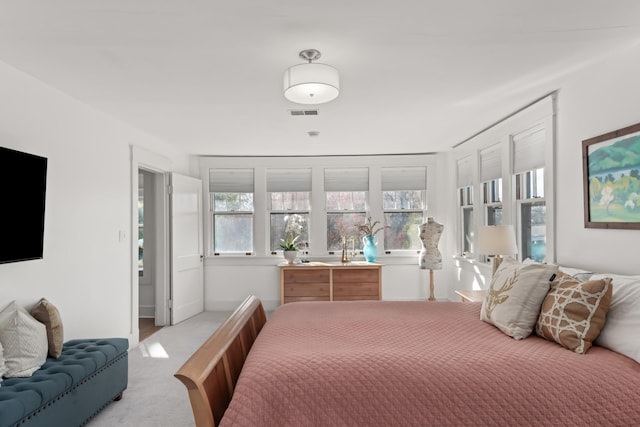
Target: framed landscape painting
point(611, 171)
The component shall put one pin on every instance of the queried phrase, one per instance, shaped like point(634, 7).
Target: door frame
point(160, 166)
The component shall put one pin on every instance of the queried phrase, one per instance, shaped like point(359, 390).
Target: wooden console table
point(319, 281)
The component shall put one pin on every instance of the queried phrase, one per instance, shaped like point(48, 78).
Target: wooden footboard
point(211, 373)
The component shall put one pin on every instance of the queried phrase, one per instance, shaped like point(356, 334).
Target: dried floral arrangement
point(370, 228)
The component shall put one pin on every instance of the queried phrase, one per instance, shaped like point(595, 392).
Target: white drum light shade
point(497, 240)
point(311, 83)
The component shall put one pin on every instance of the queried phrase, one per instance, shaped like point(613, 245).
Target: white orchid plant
point(292, 231)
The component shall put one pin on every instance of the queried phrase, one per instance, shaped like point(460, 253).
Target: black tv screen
point(23, 178)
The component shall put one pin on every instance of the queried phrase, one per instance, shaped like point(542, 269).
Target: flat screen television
point(23, 178)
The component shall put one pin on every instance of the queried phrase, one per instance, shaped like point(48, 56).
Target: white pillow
point(621, 332)
point(24, 340)
point(515, 296)
point(577, 273)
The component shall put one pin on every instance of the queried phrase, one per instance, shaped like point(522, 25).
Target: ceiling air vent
point(304, 112)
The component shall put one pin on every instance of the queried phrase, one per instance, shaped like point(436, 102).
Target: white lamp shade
point(311, 83)
point(497, 240)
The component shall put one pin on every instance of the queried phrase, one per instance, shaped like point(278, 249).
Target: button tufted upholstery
point(69, 390)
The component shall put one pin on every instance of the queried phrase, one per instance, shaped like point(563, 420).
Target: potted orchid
point(292, 231)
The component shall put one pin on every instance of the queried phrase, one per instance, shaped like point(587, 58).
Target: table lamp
point(497, 240)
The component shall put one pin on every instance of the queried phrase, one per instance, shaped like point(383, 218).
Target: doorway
point(146, 237)
point(156, 260)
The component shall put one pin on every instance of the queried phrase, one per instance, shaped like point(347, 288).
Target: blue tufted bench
point(70, 390)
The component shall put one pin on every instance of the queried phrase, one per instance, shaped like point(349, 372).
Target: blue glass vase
point(370, 248)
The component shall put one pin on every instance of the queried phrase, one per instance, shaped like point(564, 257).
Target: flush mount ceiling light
point(311, 83)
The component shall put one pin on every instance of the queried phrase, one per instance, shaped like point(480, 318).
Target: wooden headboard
point(211, 373)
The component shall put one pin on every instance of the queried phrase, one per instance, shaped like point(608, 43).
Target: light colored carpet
point(154, 397)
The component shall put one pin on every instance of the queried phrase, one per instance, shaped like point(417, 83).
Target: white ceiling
point(416, 75)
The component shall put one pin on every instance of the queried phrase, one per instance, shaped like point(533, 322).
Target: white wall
point(598, 100)
point(86, 269)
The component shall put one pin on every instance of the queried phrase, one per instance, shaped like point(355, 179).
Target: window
point(491, 178)
point(403, 194)
point(532, 208)
point(288, 192)
point(468, 230)
point(528, 166)
point(492, 191)
point(346, 191)
point(232, 210)
point(465, 202)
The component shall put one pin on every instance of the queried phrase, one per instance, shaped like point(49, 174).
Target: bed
point(381, 363)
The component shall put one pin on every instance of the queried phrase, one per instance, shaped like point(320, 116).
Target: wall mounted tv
point(24, 183)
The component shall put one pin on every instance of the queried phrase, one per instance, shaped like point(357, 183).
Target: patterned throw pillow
point(573, 312)
point(24, 341)
point(515, 295)
point(47, 313)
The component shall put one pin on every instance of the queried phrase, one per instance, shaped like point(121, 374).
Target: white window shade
point(404, 178)
point(346, 179)
point(285, 180)
point(231, 180)
point(529, 150)
point(491, 163)
point(464, 172)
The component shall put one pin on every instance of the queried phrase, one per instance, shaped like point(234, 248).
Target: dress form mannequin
point(430, 257)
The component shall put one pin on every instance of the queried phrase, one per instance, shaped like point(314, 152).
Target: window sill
point(241, 260)
point(474, 263)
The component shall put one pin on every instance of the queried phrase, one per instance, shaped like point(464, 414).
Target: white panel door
point(187, 280)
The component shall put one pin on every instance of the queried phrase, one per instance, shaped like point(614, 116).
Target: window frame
point(229, 180)
point(488, 202)
point(270, 212)
point(288, 180)
point(466, 205)
point(526, 199)
point(214, 213)
point(403, 179)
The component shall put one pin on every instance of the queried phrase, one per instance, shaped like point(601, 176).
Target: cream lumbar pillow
point(24, 341)
point(48, 314)
point(573, 313)
point(515, 294)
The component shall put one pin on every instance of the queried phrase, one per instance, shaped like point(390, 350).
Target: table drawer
point(306, 290)
point(306, 276)
point(355, 290)
point(356, 275)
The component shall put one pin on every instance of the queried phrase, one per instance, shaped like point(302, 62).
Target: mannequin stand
point(431, 293)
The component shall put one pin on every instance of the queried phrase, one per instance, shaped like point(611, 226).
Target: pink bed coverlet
point(378, 363)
